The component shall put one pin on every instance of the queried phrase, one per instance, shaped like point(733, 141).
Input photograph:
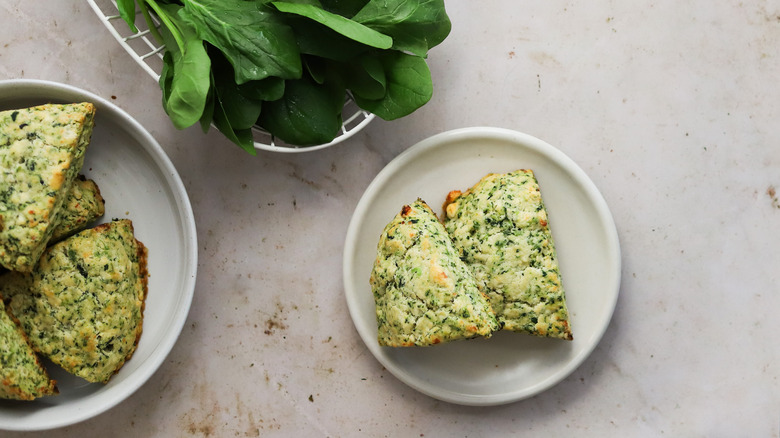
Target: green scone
point(84, 307)
point(424, 294)
point(499, 227)
point(82, 206)
point(41, 152)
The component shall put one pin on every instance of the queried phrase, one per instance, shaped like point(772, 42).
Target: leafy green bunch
point(287, 66)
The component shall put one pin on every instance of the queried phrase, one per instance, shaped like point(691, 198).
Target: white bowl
point(509, 366)
point(138, 182)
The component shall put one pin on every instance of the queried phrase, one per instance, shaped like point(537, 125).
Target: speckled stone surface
point(671, 108)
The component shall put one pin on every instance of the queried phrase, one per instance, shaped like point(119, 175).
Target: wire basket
point(148, 53)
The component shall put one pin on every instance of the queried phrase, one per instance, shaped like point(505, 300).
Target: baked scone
point(84, 308)
point(82, 206)
point(499, 227)
point(424, 294)
point(41, 152)
point(22, 377)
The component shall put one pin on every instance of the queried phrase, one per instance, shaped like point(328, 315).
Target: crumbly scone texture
point(424, 294)
point(500, 229)
point(22, 377)
point(84, 308)
point(83, 205)
point(41, 152)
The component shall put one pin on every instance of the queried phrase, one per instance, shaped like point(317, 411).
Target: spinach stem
point(150, 22)
point(168, 23)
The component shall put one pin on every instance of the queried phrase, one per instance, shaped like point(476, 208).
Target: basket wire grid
point(148, 53)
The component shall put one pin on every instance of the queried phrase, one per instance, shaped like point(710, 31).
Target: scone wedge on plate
point(83, 205)
point(84, 306)
point(41, 152)
point(22, 377)
point(500, 229)
point(424, 294)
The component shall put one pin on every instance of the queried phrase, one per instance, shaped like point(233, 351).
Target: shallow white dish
point(509, 366)
point(138, 182)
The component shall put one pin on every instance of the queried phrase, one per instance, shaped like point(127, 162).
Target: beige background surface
point(670, 107)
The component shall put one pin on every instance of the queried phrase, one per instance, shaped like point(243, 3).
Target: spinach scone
point(41, 152)
point(499, 227)
point(424, 294)
point(84, 307)
point(83, 205)
point(22, 377)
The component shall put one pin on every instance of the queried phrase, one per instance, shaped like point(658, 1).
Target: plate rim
point(606, 221)
point(190, 265)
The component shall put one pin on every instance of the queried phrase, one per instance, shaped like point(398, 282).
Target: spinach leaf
point(208, 112)
point(409, 86)
point(316, 68)
point(241, 112)
point(318, 40)
point(185, 95)
point(366, 78)
point(241, 137)
point(307, 114)
point(342, 25)
point(345, 8)
point(271, 88)
point(255, 40)
point(127, 12)
point(415, 25)
point(166, 76)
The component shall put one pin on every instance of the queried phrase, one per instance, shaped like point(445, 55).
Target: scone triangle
point(424, 293)
point(41, 152)
point(83, 309)
point(500, 229)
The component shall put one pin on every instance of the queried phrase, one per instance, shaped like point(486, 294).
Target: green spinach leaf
point(346, 8)
point(271, 88)
point(240, 111)
point(318, 40)
point(409, 86)
point(190, 81)
point(415, 25)
point(366, 78)
point(255, 40)
point(307, 114)
point(241, 137)
point(342, 25)
point(207, 118)
point(127, 12)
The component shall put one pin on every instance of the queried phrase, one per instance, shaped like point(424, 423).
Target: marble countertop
point(671, 108)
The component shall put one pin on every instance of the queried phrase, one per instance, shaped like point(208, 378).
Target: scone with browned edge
point(22, 377)
point(41, 152)
point(424, 294)
point(84, 307)
point(83, 205)
point(499, 227)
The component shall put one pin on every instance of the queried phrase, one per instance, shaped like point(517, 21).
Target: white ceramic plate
point(509, 366)
point(138, 182)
